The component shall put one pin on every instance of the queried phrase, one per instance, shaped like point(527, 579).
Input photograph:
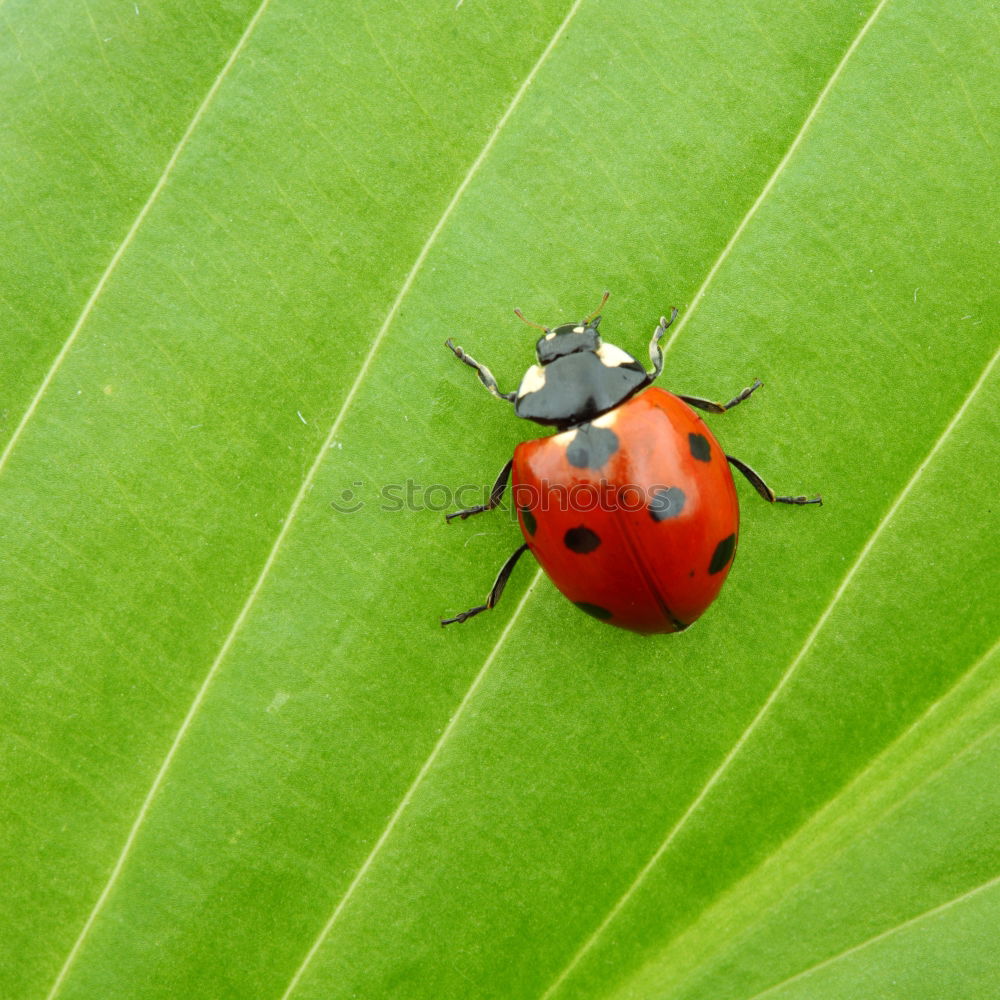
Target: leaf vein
point(408, 796)
point(47, 381)
point(905, 925)
point(129, 237)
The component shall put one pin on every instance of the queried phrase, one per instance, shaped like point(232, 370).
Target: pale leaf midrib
point(818, 824)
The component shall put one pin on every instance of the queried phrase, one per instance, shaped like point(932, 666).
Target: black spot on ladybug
point(594, 610)
point(723, 553)
point(591, 447)
point(666, 503)
point(581, 540)
point(530, 524)
point(700, 447)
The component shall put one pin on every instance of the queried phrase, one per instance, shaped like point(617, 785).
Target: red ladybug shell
point(634, 515)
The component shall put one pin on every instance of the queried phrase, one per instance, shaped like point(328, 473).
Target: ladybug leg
point(763, 489)
point(655, 351)
point(501, 581)
point(707, 404)
point(496, 495)
point(485, 375)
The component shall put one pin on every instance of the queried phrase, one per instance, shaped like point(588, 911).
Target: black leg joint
point(764, 490)
point(496, 495)
point(498, 585)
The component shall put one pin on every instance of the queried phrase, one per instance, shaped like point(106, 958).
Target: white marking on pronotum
point(534, 379)
point(614, 357)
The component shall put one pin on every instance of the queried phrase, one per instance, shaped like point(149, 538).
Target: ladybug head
point(568, 339)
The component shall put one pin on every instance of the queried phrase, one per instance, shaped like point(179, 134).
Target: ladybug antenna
point(597, 311)
point(537, 326)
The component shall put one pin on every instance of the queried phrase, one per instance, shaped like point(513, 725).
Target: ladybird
point(630, 507)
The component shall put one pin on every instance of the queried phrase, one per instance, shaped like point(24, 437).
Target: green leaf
point(240, 756)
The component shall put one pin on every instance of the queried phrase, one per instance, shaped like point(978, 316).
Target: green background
point(239, 756)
